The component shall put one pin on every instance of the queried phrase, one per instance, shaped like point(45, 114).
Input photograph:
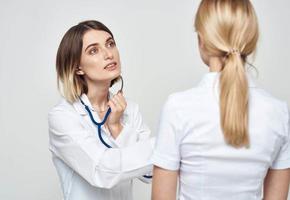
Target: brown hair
point(69, 56)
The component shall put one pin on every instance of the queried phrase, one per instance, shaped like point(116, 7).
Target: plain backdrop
point(158, 48)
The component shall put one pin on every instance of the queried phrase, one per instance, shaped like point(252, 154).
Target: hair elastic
point(234, 51)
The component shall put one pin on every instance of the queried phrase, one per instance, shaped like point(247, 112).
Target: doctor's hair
point(229, 29)
point(68, 59)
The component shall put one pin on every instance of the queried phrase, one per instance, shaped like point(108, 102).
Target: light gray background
point(159, 56)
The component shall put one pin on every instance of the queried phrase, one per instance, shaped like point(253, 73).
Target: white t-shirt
point(190, 139)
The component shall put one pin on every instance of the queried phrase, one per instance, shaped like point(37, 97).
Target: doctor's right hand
point(118, 105)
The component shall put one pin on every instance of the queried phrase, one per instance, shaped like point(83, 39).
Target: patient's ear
point(202, 50)
point(200, 42)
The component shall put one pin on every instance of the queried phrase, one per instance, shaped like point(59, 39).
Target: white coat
point(86, 168)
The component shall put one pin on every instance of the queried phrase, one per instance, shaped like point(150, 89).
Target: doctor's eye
point(111, 44)
point(93, 51)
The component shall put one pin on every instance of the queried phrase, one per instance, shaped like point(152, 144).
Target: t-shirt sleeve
point(282, 160)
point(166, 153)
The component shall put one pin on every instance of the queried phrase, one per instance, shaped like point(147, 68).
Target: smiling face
point(100, 60)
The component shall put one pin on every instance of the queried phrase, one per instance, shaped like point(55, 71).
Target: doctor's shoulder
point(63, 116)
point(62, 106)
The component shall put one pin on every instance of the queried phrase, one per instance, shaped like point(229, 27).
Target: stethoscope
point(100, 124)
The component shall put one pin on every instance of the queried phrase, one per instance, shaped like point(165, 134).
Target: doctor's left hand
point(118, 105)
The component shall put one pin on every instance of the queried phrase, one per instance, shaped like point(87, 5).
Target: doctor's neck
point(98, 94)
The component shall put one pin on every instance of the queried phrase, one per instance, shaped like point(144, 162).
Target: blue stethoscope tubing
point(100, 124)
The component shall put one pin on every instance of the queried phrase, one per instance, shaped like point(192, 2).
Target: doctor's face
point(100, 60)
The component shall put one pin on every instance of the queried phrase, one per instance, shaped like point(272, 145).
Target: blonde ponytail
point(229, 30)
point(234, 101)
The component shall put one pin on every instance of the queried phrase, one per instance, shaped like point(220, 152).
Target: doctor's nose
point(108, 54)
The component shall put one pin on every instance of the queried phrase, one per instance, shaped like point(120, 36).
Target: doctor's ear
point(79, 71)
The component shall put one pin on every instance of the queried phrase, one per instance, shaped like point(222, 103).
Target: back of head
point(229, 29)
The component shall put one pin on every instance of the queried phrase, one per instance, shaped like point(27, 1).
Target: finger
point(120, 101)
point(117, 104)
point(112, 105)
point(120, 92)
